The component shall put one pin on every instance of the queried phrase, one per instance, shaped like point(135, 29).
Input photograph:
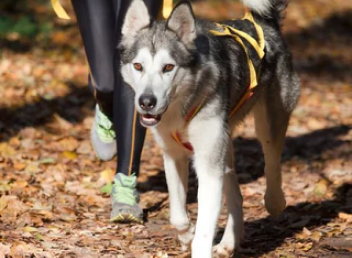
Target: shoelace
point(104, 128)
point(126, 195)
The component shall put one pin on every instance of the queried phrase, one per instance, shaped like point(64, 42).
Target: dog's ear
point(137, 18)
point(182, 22)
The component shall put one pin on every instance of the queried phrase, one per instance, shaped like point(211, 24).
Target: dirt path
point(50, 199)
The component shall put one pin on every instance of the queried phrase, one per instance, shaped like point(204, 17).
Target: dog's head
point(157, 58)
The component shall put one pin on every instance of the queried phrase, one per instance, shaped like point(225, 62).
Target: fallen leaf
point(6, 150)
point(106, 189)
point(345, 216)
point(321, 187)
point(3, 204)
point(70, 155)
point(19, 166)
point(304, 246)
point(29, 229)
point(107, 175)
point(47, 161)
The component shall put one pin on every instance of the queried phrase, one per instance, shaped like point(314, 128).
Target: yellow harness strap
point(167, 8)
point(249, 16)
point(61, 13)
point(59, 10)
point(258, 47)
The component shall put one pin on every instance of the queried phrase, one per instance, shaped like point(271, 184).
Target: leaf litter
point(54, 198)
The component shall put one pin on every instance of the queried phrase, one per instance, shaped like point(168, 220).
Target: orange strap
point(177, 137)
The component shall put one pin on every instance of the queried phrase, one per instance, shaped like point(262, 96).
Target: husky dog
point(191, 79)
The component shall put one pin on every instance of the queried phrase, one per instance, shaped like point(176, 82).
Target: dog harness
point(61, 13)
point(258, 46)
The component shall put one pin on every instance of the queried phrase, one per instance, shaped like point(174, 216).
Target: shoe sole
point(126, 218)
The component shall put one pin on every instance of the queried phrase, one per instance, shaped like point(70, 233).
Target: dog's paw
point(222, 250)
point(185, 237)
point(275, 202)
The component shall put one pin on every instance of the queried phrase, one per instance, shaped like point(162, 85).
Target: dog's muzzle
point(147, 103)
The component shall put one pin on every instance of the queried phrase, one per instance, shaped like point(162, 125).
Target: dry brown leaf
point(47, 108)
point(345, 216)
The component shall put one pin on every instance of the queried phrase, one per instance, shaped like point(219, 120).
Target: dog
point(194, 81)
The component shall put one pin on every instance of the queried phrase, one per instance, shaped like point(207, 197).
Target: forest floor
point(51, 204)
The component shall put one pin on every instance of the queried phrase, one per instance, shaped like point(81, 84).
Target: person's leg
point(96, 21)
point(130, 133)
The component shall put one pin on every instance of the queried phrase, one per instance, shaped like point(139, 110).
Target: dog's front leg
point(176, 170)
point(210, 178)
point(234, 226)
point(210, 163)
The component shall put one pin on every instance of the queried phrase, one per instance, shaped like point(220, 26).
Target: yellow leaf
point(316, 236)
point(39, 237)
point(6, 150)
point(107, 175)
point(29, 229)
point(5, 186)
point(321, 187)
point(304, 246)
point(70, 155)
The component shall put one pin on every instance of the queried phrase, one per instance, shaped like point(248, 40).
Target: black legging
point(100, 23)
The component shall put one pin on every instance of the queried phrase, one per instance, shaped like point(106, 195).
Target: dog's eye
point(168, 68)
point(138, 67)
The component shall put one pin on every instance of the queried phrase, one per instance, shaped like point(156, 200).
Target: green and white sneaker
point(103, 136)
point(124, 200)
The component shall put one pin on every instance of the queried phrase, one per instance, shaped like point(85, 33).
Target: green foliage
point(25, 26)
point(5, 25)
point(20, 17)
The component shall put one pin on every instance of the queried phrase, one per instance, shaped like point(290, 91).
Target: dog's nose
point(147, 101)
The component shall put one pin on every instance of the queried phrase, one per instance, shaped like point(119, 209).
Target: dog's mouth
point(149, 120)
